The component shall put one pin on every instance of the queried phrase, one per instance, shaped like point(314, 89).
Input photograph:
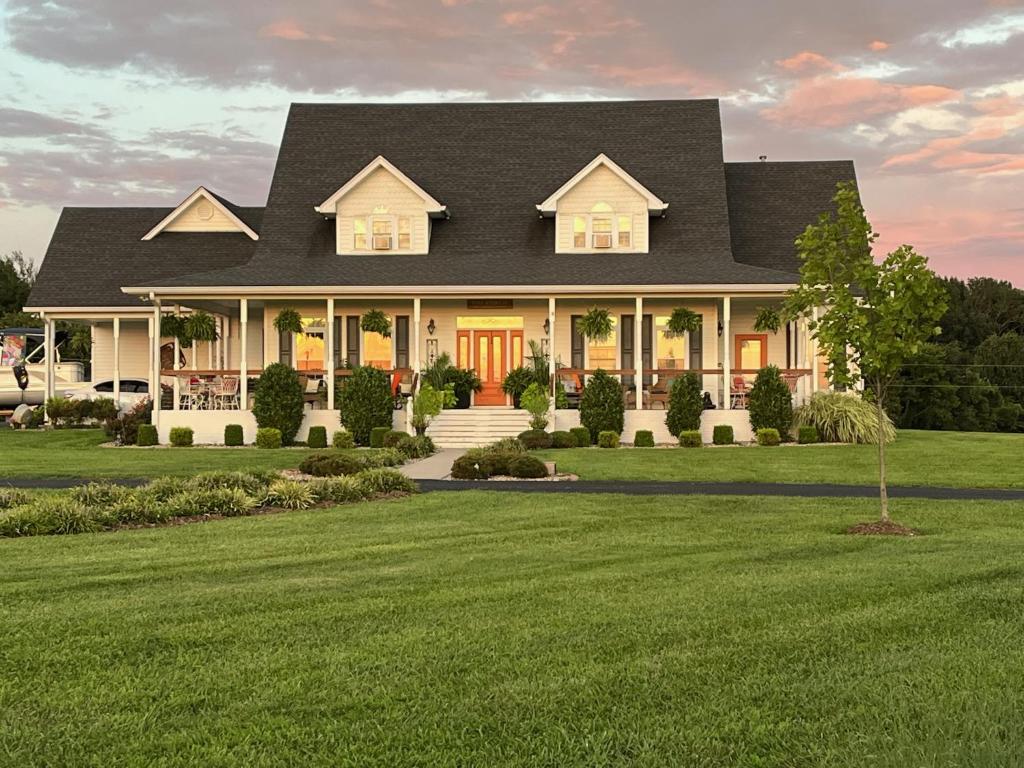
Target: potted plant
point(200, 326)
point(767, 319)
point(375, 321)
point(288, 321)
point(425, 406)
point(516, 381)
point(682, 321)
point(535, 400)
point(464, 381)
point(596, 325)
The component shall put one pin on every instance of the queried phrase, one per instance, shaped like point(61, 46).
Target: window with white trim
point(404, 232)
point(625, 238)
point(579, 231)
point(359, 234)
point(602, 229)
point(382, 228)
point(601, 226)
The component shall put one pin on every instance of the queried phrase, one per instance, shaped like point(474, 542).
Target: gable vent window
point(382, 234)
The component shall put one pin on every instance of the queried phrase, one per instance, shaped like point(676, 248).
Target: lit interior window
point(602, 354)
point(404, 232)
point(359, 229)
point(625, 231)
point(309, 346)
point(671, 349)
point(377, 349)
point(382, 234)
point(601, 226)
point(579, 232)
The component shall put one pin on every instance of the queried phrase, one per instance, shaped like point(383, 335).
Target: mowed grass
point(492, 629)
point(959, 459)
point(77, 453)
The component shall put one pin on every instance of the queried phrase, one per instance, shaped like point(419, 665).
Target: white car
point(133, 391)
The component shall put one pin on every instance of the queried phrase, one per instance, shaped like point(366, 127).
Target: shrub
point(58, 514)
point(527, 466)
point(181, 437)
point(507, 445)
point(770, 403)
point(386, 457)
point(340, 490)
point(125, 428)
point(278, 401)
point(470, 467)
point(317, 437)
point(843, 418)
point(290, 494)
point(391, 438)
point(607, 438)
point(12, 497)
point(61, 411)
point(163, 488)
point(103, 409)
point(582, 435)
point(146, 435)
point(807, 434)
point(252, 483)
point(415, 447)
point(383, 482)
point(685, 405)
point(536, 401)
point(377, 435)
point(644, 438)
point(229, 502)
point(601, 406)
point(343, 440)
point(331, 464)
point(140, 505)
point(426, 404)
point(691, 438)
point(535, 439)
point(365, 401)
point(768, 436)
point(268, 437)
point(723, 434)
point(516, 382)
point(562, 439)
point(1007, 417)
point(233, 435)
point(98, 494)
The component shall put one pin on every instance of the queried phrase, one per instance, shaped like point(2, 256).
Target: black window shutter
point(697, 347)
point(647, 347)
point(285, 347)
point(352, 351)
point(577, 342)
point(337, 342)
point(402, 341)
point(628, 328)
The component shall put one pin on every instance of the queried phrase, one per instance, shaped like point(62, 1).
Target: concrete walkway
point(436, 467)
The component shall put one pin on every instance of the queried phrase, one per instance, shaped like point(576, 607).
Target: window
point(359, 231)
point(382, 234)
point(309, 345)
point(579, 232)
point(601, 227)
point(376, 350)
point(404, 232)
point(670, 349)
point(625, 231)
point(603, 354)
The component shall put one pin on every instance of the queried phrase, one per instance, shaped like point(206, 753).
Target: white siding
point(382, 190)
point(602, 185)
point(189, 220)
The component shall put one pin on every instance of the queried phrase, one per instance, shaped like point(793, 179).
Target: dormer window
point(382, 233)
point(601, 226)
point(404, 232)
point(579, 232)
point(625, 231)
point(359, 234)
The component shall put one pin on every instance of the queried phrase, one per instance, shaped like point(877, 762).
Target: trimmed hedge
point(691, 438)
point(317, 437)
point(366, 402)
point(607, 439)
point(377, 435)
point(685, 405)
point(644, 438)
point(392, 438)
point(268, 437)
point(468, 467)
point(723, 435)
point(147, 435)
point(278, 401)
point(535, 439)
point(602, 408)
point(233, 435)
point(807, 434)
point(770, 403)
point(768, 436)
point(562, 439)
point(181, 437)
point(330, 464)
point(343, 440)
point(527, 466)
point(582, 435)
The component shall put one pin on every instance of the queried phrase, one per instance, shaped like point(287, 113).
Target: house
point(477, 228)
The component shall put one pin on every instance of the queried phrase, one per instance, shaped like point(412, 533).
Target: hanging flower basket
point(596, 325)
point(171, 326)
point(375, 321)
point(767, 319)
point(683, 321)
point(200, 326)
point(288, 321)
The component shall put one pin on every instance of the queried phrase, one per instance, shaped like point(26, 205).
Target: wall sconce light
point(547, 326)
point(431, 327)
point(721, 328)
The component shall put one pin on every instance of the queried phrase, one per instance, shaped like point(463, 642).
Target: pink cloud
point(659, 75)
point(288, 29)
point(878, 45)
point(808, 61)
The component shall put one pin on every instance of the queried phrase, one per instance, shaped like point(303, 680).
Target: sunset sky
point(111, 102)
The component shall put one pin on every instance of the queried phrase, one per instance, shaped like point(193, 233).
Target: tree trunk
point(883, 492)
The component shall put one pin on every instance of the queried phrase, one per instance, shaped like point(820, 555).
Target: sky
point(129, 102)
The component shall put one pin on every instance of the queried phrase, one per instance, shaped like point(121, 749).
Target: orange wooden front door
point(487, 353)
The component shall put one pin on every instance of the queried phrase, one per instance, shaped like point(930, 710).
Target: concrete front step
point(476, 426)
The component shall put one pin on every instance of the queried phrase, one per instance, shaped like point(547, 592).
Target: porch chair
point(739, 392)
point(193, 397)
point(225, 393)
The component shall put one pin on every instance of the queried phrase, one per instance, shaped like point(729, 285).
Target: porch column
point(117, 361)
point(48, 350)
point(551, 347)
point(216, 342)
point(329, 353)
point(243, 354)
point(155, 390)
point(726, 366)
point(226, 322)
point(416, 307)
point(814, 356)
point(638, 351)
point(177, 364)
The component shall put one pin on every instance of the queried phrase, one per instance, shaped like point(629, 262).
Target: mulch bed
point(882, 528)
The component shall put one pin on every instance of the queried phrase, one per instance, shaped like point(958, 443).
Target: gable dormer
point(381, 210)
point(202, 211)
point(602, 209)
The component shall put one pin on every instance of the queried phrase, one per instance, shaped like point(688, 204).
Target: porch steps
point(473, 427)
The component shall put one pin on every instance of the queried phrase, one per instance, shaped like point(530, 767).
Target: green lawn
point(961, 459)
point(477, 629)
point(76, 453)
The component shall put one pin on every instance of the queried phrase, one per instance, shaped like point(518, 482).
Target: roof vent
point(762, 158)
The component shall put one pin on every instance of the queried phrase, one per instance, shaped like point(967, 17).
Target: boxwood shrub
point(268, 437)
point(181, 437)
point(685, 405)
point(562, 439)
point(330, 464)
point(233, 435)
point(606, 438)
point(278, 401)
point(770, 402)
point(691, 438)
point(377, 435)
point(470, 467)
point(365, 402)
point(723, 435)
point(317, 437)
point(768, 436)
point(343, 440)
point(535, 439)
point(392, 438)
point(527, 466)
point(602, 408)
point(582, 435)
point(644, 438)
point(147, 435)
point(807, 434)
